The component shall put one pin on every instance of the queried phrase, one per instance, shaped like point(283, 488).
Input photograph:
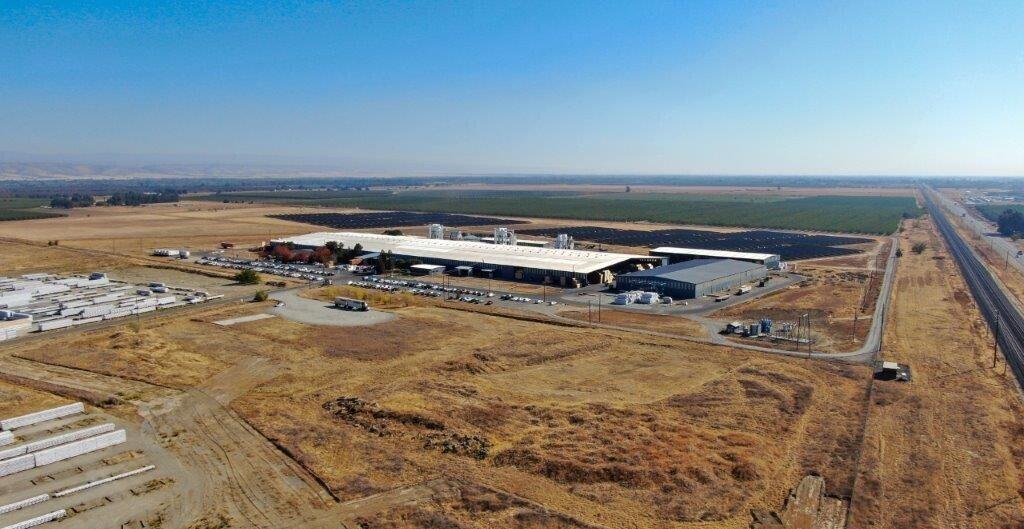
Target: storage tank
point(766, 325)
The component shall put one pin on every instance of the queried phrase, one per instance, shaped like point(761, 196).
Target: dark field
point(24, 209)
point(853, 214)
point(992, 211)
point(790, 246)
point(388, 219)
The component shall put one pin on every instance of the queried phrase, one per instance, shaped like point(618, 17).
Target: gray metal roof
point(698, 270)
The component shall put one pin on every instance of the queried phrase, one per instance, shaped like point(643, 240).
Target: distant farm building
point(693, 278)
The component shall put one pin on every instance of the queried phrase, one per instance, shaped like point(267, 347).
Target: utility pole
point(590, 317)
point(599, 307)
point(856, 311)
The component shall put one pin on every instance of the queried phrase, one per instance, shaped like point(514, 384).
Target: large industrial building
point(678, 255)
point(501, 261)
point(693, 278)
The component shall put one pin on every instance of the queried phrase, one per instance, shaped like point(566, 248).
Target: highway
point(998, 308)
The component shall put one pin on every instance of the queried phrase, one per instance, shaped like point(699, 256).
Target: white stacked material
point(166, 300)
point(42, 416)
point(103, 481)
point(151, 302)
point(15, 451)
point(73, 311)
point(88, 320)
point(166, 252)
point(38, 520)
point(6, 438)
point(96, 310)
point(77, 448)
point(34, 500)
point(35, 277)
point(143, 310)
point(56, 324)
point(106, 298)
point(17, 464)
point(15, 299)
point(75, 435)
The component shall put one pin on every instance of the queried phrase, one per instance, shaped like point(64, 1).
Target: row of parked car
point(420, 288)
point(311, 272)
point(520, 299)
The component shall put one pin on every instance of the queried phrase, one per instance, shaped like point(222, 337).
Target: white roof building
point(674, 254)
point(471, 252)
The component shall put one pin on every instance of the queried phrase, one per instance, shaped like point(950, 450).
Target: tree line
point(1011, 223)
point(120, 198)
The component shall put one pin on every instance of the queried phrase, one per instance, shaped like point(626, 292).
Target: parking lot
point(106, 474)
point(307, 272)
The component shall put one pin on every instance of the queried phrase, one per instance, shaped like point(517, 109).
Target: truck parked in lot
point(350, 304)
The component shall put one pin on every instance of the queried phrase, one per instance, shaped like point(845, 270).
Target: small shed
point(892, 371)
point(464, 270)
point(426, 269)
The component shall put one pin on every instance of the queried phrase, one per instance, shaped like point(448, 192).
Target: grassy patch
point(15, 208)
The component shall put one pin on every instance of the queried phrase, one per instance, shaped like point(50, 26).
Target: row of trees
point(129, 198)
point(75, 200)
point(136, 198)
point(1011, 223)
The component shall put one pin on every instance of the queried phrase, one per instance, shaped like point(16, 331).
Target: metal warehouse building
point(694, 278)
point(678, 255)
point(499, 261)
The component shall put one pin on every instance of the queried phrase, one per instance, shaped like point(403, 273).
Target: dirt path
point(229, 471)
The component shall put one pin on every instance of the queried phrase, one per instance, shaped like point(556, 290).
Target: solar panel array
point(388, 219)
point(791, 246)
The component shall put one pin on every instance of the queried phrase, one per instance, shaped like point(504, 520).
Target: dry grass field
point(18, 400)
point(946, 450)
point(539, 425)
point(638, 320)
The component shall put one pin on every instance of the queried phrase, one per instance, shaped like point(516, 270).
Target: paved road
point(315, 312)
point(986, 230)
point(998, 307)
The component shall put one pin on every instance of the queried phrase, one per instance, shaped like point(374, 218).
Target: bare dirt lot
point(944, 450)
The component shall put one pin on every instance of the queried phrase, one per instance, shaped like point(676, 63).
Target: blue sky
point(715, 87)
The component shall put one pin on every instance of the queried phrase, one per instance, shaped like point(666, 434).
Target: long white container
point(42, 416)
point(6, 438)
point(15, 451)
point(103, 481)
point(17, 464)
point(34, 500)
point(166, 300)
point(96, 310)
point(64, 438)
point(143, 310)
point(77, 448)
point(56, 324)
point(83, 321)
point(39, 520)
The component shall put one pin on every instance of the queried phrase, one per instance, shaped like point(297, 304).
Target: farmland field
point(853, 214)
point(24, 209)
point(992, 211)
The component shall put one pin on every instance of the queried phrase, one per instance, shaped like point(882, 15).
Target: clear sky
point(831, 87)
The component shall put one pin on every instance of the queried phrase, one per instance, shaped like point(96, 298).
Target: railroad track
point(997, 307)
